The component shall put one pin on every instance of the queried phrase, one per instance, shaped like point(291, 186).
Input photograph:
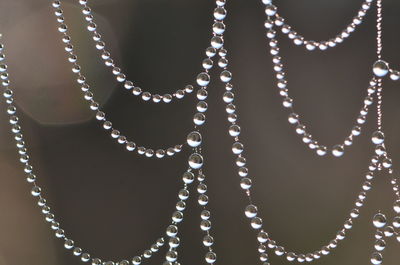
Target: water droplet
point(376, 258)
point(379, 220)
point(194, 139)
point(195, 161)
point(378, 137)
point(380, 68)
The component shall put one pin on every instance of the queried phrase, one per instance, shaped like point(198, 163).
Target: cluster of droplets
point(196, 162)
point(194, 138)
point(69, 244)
point(381, 68)
point(266, 241)
point(172, 230)
point(117, 72)
point(205, 215)
point(195, 159)
point(381, 159)
point(288, 102)
point(251, 211)
point(385, 230)
point(36, 191)
point(274, 18)
point(203, 79)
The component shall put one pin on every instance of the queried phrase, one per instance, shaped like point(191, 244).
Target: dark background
point(115, 204)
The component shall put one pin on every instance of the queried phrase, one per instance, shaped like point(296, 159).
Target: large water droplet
point(376, 258)
point(194, 139)
point(378, 137)
point(379, 220)
point(380, 68)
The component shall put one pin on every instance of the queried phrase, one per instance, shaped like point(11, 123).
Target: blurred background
point(115, 204)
